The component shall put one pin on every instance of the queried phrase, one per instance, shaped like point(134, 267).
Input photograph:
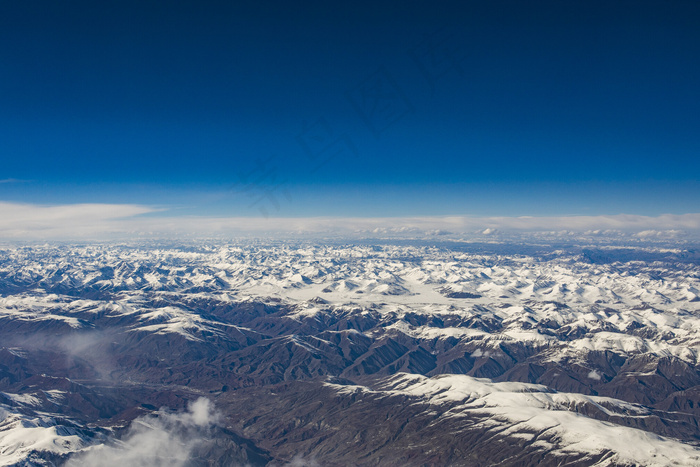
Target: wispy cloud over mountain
point(152, 441)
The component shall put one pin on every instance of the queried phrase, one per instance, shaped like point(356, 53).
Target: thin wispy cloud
point(13, 180)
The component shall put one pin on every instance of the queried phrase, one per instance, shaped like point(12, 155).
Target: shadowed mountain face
point(346, 355)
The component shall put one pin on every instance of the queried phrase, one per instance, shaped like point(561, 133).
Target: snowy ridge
point(532, 410)
point(22, 436)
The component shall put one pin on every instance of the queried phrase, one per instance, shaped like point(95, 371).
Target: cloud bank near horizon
point(105, 221)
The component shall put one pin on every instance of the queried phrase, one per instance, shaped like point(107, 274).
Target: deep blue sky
point(227, 108)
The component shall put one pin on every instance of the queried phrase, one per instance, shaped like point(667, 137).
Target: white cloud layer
point(29, 221)
point(96, 221)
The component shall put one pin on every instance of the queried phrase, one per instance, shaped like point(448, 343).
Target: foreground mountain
point(364, 354)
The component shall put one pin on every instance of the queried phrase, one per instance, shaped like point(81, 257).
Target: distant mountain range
point(349, 354)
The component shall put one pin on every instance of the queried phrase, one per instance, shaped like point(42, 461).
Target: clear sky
point(355, 109)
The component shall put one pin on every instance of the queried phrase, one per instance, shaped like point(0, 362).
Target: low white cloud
point(155, 441)
point(658, 233)
point(97, 221)
point(301, 461)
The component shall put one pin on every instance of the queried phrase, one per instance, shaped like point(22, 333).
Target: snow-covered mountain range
point(396, 353)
